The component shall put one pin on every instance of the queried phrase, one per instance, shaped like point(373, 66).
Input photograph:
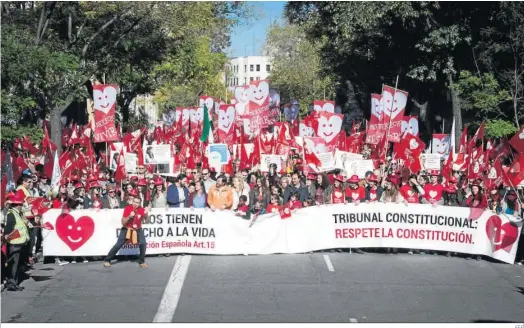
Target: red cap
point(393, 179)
point(91, 178)
point(142, 182)
point(79, 185)
point(311, 177)
point(134, 178)
point(338, 177)
point(354, 179)
point(9, 195)
point(133, 193)
point(450, 189)
point(17, 199)
point(373, 178)
point(453, 180)
point(190, 177)
point(434, 172)
point(94, 184)
point(158, 181)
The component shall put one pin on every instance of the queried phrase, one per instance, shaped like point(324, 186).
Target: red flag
point(517, 141)
point(310, 157)
point(463, 144)
point(516, 171)
point(120, 173)
point(479, 135)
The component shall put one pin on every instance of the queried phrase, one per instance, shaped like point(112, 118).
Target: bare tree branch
point(102, 28)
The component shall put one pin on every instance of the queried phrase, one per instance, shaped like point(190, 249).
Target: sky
point(243, 36)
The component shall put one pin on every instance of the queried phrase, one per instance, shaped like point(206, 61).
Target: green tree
point(481, 94)
point(55, 49)
point(425, 43)
point(296, 66)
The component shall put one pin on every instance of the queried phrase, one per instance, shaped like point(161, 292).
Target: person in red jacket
point(338, 193)
point(132, 218)
point(354, 192)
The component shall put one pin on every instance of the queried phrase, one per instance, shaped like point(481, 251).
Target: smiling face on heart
point(410, 127)
point(329, 127)
point(198, 114)
point(226, 117)
point(393, 104)
point(242, 94)
point(305, 131)
point(74, 233)
point(376, 106)
point(104, 98)
point(441, 145)
point(502, 236)
point(260, 93)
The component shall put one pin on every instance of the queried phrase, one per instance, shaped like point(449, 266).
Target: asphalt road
point(272, 288)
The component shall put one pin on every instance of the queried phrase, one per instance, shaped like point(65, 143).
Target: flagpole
point(386, 144)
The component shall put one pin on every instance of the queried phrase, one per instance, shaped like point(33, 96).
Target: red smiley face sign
point(502, 236)
point(74, 233)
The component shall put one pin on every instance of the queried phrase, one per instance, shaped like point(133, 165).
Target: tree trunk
point(352, 103)
point(457, 112)
point(56, 125)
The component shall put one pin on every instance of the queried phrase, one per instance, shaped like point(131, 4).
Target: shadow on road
point(491, 321)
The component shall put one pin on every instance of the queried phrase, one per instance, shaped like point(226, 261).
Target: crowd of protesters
point(248, 192)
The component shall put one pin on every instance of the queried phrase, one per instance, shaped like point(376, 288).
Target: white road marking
point(166, 309)
point(328, 263)
point(353, 320)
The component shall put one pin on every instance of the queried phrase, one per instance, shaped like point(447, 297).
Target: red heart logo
point(74, 233)
point(502, 236)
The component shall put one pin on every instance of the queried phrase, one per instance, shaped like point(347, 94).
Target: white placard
point(157, 154)
point(266, 160)
point(431, 161)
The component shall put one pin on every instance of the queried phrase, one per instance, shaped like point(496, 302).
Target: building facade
point(242, 70)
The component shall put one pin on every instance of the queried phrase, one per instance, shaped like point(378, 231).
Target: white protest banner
point(202, 231)
point(266, 160)
point(157, 154)
point(431, 161)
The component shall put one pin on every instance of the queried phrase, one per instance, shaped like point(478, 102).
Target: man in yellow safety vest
point(17, 236)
